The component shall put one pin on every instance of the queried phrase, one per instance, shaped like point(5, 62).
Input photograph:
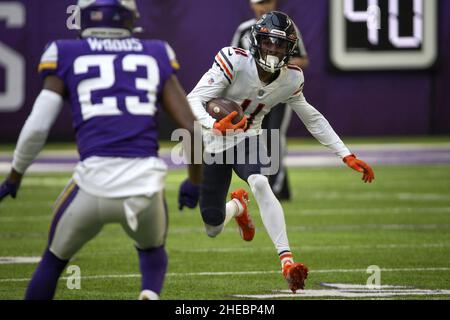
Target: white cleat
point(148, 295)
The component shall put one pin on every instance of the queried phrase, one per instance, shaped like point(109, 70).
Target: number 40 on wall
point(372, 16)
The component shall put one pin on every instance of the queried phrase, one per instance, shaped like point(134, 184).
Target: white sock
point(148, 295)
point(271, 211)
point(233, 208)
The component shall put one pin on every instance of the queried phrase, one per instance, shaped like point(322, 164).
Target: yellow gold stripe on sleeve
point(47, 65)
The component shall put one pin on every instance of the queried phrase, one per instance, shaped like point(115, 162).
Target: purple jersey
point(114, 87)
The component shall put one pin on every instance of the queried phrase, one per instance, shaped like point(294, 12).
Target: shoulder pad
point(240, 51)
point(294, 67)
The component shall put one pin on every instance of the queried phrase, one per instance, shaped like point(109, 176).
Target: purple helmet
point(107, 18)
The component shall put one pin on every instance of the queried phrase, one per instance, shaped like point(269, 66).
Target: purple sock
point(43, 284)
point(153, 265)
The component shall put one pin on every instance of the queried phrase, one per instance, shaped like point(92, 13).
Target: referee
point(280, 116)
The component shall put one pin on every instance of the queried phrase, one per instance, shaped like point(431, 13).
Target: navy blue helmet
point(273, 40)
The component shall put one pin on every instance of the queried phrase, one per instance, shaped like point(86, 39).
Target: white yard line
point(19, 260)
point(308, 293)
point(332, 227)
point(373, 211)
point(318, 248)
point(414, 197)
point(241, 273)
point(372, 226)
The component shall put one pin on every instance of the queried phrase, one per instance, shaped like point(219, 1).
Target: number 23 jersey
point(113, 86)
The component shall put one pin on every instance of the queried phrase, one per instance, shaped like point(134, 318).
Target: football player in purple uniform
point(116, 85)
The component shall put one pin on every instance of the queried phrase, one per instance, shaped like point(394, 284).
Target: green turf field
point(337, 225)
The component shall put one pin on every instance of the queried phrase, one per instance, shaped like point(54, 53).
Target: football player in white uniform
point(280, 116)
point(258, 80)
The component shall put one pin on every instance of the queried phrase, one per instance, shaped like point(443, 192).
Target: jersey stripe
point(226, 59)
point(255, 113)
point(245, 104)
point(175, 64)
point(299, 90)
point(240, 51)
point(224, 66)
point(294, 67)
point(63, 196)
point(47, 65)
point(224, 73)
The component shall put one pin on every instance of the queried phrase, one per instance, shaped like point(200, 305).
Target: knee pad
point(213, 216)
point(213, 231)
point(258, 182)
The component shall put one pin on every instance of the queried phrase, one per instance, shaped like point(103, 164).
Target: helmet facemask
point(272, 52)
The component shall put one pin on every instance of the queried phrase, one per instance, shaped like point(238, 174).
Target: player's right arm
point(33, 135)
point(212, 85)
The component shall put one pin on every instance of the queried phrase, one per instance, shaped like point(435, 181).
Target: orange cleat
point(295, 274)
point(244, 221)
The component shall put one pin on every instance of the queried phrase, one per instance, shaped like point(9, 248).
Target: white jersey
point(110, 177)
point(234, 76)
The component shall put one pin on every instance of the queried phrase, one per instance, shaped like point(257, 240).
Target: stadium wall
point(363, 103)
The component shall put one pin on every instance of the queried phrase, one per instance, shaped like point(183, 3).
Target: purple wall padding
point(365, 103)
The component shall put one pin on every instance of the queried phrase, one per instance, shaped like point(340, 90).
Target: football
point(219, 108)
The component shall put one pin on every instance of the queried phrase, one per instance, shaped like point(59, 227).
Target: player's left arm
point(34, 133)
point(321, 129)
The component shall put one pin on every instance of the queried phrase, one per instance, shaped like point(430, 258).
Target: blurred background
point(370, 99)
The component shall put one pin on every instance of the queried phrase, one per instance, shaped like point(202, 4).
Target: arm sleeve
point(212, 85)
point(35, 131)
point(317, 125)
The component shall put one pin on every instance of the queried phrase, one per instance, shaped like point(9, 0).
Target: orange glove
point(225, 124)
point(360, 166)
